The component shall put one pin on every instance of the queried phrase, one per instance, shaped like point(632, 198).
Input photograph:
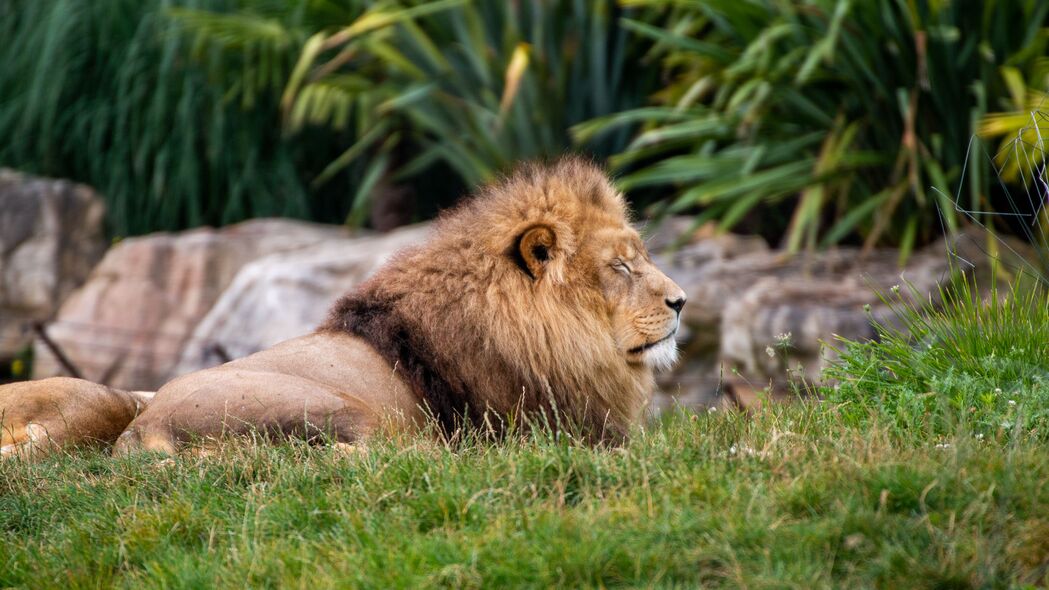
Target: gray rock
point(127, 324)
point(759, 319)
point(51, 235)
point(285, 295)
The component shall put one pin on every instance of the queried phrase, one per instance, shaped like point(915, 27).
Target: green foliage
point(960, 362)
point(826, 119)
point(813, 121)
point(469, 86)
point(104, 92)
point(1021, 126)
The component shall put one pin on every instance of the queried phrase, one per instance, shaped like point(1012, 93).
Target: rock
point(286, 295)
point(51, 235)
point(701, 268)
point(778, 326)
point(127, 324)
point(757, 319)
point(678, 237)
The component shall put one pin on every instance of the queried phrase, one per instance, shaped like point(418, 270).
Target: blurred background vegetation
point(811, 122)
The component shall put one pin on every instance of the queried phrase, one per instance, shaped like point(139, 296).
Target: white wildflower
point(1012, 402)
point(769, 351)
point(744, 451)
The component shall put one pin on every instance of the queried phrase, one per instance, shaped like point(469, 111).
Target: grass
point(793, 497)
point(911, 473)
point(107, 93)
point(790, 498)
point(964, 361)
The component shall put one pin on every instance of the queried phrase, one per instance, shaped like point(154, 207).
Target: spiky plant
point(105, 92)
point(823, 120)
point(964, 359)
point(466, 86)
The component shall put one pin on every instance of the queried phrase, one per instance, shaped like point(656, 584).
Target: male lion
point(533, 300)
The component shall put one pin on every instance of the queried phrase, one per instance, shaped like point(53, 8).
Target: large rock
point(286, 295)
point(778, 327)
point(127, 324)
point(51, 235)
point(758, 319)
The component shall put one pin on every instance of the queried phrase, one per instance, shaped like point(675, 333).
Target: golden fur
point(534, 299)
point(538, 333)
point(35, 416)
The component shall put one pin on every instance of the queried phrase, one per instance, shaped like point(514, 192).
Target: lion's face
point(581, 242)
point(644, 304)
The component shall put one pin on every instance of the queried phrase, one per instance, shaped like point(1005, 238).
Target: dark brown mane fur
point(398, 340)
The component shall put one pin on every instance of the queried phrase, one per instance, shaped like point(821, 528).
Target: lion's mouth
point(653, 344)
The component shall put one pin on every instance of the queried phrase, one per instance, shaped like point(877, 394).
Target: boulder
point(51, 235)
point(127, 324)
point(285, 295)
point(778, 326)
point(758, 319)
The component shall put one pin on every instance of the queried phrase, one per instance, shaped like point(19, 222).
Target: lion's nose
point(676, 304)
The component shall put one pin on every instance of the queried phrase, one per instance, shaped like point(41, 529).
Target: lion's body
point(333, 384)
point(36, 416)
point(534, 299)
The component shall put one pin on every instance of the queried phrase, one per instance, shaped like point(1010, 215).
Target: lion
point(534, 301)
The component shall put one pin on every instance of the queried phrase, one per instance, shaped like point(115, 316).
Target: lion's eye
point(621, 266)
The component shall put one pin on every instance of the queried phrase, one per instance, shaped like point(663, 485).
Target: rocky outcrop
point(758, 319)
point(51, 235)
point(126, 326)
point(286, 295)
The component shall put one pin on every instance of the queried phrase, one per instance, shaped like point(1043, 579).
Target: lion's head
point(535, 297)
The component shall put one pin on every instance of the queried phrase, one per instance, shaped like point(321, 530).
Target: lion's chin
point(662, 356)
point(658, 356)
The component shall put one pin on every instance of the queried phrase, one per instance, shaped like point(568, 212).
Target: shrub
point(825, 120)
point(103, 92)
point(468, 87)
point(812, 122)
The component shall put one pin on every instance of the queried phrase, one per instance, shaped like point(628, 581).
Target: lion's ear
point(536, 248)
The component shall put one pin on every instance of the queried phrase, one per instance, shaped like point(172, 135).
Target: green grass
point(959, 362)
point(791, 498)
point(925, 468)
point(109, 93)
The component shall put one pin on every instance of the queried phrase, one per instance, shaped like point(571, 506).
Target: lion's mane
point(479, 338)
